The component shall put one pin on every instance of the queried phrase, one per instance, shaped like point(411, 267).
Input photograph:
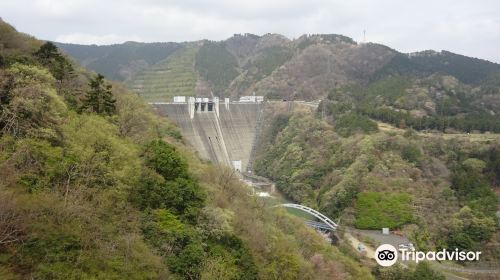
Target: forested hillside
point(436, 102)
point(437, 189)
point(466, 69)
point(120, 62)
point(423, 90)
point(93, 185)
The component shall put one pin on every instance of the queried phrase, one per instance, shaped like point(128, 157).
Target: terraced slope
point(306, 68)
point(120, 62)
point(173, 76)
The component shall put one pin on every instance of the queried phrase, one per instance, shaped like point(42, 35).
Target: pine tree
point(47, 51)
point(99, 98)
point(49, 56)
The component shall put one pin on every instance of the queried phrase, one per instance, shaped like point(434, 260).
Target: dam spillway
point(223, 133)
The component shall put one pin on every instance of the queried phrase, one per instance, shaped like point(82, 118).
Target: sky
point(467, 27)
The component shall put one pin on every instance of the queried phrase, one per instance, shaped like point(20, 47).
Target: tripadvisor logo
point(387, 255)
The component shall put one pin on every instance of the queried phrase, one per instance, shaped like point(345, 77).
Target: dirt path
point(370, 252)
point(473, 137)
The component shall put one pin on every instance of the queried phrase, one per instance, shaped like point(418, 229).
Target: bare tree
point(226, 176)
point(11, 222)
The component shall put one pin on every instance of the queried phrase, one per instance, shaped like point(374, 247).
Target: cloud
point(462, 26)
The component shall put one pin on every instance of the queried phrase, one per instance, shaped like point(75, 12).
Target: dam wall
point(225, 134)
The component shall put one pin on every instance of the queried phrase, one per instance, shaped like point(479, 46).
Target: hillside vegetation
point(437, 103)
point(466, 69)
point(216, 65)
point(338, 159)
point(371, 179)
point(93, 185)
point(173, 76)
point(120, 62)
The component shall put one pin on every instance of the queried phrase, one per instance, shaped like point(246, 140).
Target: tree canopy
point(99, 98)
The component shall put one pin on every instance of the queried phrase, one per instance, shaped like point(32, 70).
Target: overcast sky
point(463, 26)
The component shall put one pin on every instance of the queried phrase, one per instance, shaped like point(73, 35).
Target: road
point(446, 270)
point(379, 238)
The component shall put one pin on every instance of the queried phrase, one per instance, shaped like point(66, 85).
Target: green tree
point(29, 103)
point(164, 159)
point(176, 191)
point(58, 65)
point(188, 262)
point(183, 197)
point(99, 98)
point(470, 229)
point(150, 191)
point(185, 252)
point(47, 51)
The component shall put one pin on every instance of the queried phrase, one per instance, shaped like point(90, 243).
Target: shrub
point(411, 153)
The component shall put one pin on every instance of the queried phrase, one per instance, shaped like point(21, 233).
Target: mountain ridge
point(278, 67)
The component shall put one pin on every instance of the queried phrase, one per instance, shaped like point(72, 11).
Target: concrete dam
point(222, 132)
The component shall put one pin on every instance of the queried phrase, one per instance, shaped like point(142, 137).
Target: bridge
point(325, 224)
